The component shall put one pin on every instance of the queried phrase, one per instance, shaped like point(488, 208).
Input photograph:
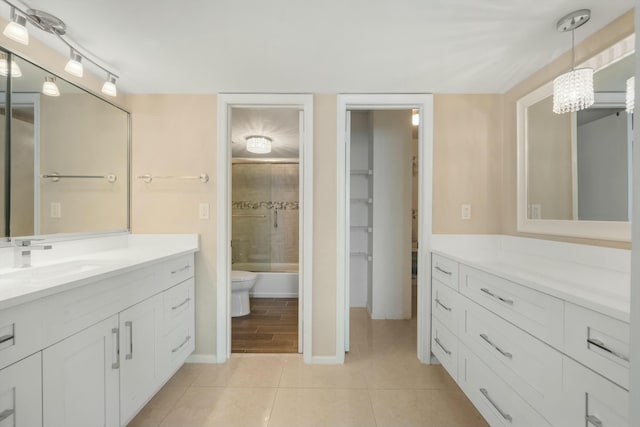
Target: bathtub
point(280, 282)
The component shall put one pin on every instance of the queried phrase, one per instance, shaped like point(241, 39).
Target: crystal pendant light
point(259, 144)
point(573, 91)
point(4, 67)
point(631, 94)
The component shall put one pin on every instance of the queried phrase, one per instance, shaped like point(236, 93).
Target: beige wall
point(467, 143)
point(609, 35)
point(176, 135)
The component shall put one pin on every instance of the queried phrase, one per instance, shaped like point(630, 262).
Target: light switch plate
point(56, 210)
point(204, 211)
point(465, 211)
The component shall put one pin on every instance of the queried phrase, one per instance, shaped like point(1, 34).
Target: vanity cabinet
point(527, 358)
point(21, 393)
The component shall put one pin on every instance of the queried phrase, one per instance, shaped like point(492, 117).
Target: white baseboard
point(202, 358)
point(326, 360)
point(273, 294)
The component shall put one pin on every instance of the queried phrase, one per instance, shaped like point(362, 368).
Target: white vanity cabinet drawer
point(539, 314)
point(598, 341)
point(445, 270)
point(532, 368)
point(178, 270)
point(176, 347)
point(21, 393)
point(178, 302)
point(445, 305)
point(21, 329)
point(444, 345)
point(495, 400)
point(592, 400)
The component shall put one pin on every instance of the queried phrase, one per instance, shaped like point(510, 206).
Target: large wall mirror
point(574, 169)
point(68, 157)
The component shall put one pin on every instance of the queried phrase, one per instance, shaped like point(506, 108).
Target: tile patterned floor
point(271, 327)
point(381, 384)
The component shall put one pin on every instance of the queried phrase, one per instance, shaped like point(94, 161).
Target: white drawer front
point(591, 399)
point(444, 345)
point(598, 341)
point(495, 400)
point(178, 270)
point(20, 332)
point(537, 313)
point(21, 393)
point(178, 302)
point(445, 305)
point(529, 366)
point(445, 270)
point(177, 346)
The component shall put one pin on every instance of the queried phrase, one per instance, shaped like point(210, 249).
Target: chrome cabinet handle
point(186, 340)
point(504, 415)
point(5, 338)
point(592, 419)
point(603, 346)
point(441, 270)
point(129, 324)
point(180, 270)
point(116, 364)
point(175, 307)
point(442, 347)
point(502, 352)
point(6, 414)
point(498, 297)
point(442, 305)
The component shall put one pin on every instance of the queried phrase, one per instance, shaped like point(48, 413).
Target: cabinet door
point(140, 328)
point(20, 393)
point(80, 378)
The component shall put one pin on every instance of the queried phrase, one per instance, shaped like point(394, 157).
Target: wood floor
point(272, 327)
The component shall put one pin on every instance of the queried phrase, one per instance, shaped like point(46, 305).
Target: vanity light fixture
point(50, 88)
point(16, 29)
point(415, 118)
point(259, 144)
point(109, 86)
point(631, 94)
point(4, 67)
point(74, 66)
point(573, 91)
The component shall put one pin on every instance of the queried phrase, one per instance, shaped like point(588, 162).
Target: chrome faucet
point(23, 250)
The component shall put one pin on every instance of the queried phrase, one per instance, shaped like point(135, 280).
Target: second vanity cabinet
point(527, 358)
point(103, 349)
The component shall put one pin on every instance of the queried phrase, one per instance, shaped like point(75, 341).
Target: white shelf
point(362, 254)
point(366, 172)
point(366, 228)
point(367, 201)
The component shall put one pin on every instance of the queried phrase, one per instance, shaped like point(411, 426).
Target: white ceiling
point(204, 46)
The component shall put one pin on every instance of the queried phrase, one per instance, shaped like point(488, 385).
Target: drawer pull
point(498, 297)
point(180, 270)
point(129, 324)
point(175, 307)
point(592, 419)
point(504, 415)
point(442, 305)
point(602, 346)
point(442, 347)
point(116, 364)
point(5, 338)
point(186, 340)
point(441, 270)
point(5, 414)
point(502, 352)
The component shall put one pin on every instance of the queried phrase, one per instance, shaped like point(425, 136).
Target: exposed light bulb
point(259, 144)
point(4, 67)
point(49, 87)
point(16, 29)
point(109, 86)
point(74, 66)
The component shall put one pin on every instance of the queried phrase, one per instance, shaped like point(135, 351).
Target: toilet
point(241, 284)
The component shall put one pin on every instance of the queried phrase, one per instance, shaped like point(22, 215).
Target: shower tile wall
point(256, 239)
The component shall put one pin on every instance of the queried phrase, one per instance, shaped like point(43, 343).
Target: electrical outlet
point(204, 211)
point(536, 211)
point(465, 211)
point(56, 210)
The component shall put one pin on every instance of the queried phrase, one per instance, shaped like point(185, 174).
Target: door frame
point(423, 103)
point(226, 102)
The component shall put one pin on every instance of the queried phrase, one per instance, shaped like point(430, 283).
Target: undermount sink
point(51, 272)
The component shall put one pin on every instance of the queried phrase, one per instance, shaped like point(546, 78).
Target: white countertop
point(589, 276)
point(80, 262)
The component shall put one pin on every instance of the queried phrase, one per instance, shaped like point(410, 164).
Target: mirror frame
point(602, 230)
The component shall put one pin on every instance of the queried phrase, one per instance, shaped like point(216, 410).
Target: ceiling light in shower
point(16, 29)
point(50, 88)
point(4, 67)
point(415, 118)
point(109, 86)
point(573, 91)
point(74, 66)
point(259, 144)
point(631, 94)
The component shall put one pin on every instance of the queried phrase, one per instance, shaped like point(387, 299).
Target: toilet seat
point(242, 276)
